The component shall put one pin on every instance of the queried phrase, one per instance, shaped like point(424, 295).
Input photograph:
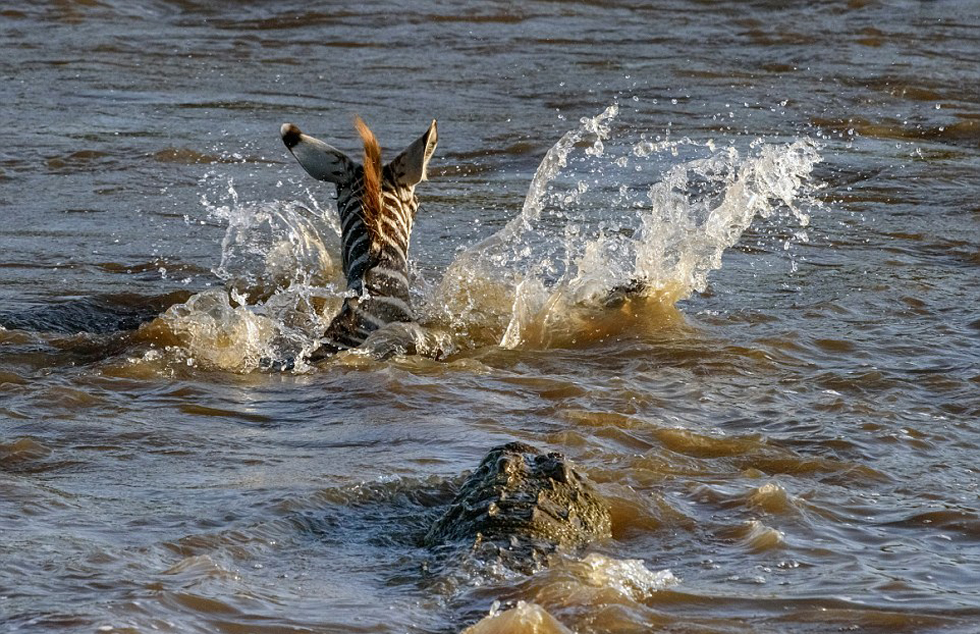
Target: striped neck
point(377, 261)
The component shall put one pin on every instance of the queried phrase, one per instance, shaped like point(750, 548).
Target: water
point(783, 421)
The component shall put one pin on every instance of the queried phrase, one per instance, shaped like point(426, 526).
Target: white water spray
point(603, 213)
point(585, 231)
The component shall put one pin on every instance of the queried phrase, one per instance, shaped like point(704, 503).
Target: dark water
point(794, 435)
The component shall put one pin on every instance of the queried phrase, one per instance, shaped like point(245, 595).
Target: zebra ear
point(322, 161)
point(408, 168)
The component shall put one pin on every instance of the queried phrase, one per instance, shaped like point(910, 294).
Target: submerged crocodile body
point(521, 505)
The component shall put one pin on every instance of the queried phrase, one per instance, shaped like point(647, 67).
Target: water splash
point(272, 246)
point(613, 232)
point(629, 577)
point(702, 207)
point(281, 288)
point(586, 236)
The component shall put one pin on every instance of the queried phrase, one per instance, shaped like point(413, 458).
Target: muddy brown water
point(785, 426)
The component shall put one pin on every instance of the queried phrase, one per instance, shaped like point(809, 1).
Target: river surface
point(784, 422)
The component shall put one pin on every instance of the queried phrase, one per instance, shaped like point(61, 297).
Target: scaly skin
point(521, 505)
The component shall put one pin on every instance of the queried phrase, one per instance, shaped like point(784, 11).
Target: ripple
point(757, 536)
point(524, 618)
point(771, 498)
point(22, 450)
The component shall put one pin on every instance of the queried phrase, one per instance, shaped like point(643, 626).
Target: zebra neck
point(376, 261)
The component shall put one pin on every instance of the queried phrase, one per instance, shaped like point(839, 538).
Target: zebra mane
point(371, 202)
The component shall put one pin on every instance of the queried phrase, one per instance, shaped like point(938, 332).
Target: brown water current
point(784, 422)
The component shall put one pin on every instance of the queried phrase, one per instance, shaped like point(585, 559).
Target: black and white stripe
point(375, 266)
point(374, 259)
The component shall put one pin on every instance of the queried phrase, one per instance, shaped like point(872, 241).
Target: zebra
point(377, 206)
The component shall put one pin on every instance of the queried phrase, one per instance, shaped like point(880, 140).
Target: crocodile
point(520, 506)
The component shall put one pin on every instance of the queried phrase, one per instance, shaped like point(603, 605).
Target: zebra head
point(377, 206)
